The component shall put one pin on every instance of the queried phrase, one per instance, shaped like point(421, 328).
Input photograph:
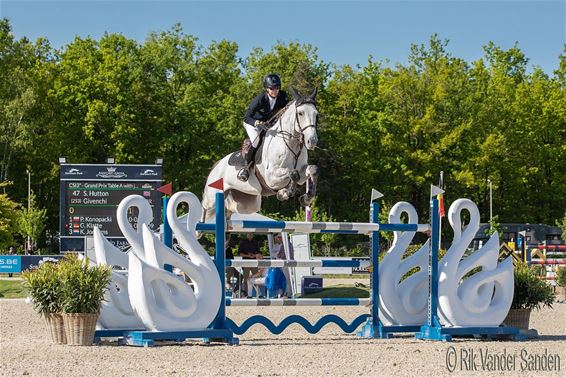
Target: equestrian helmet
point(271, 81)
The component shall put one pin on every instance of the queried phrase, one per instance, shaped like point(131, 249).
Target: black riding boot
point(244, 173)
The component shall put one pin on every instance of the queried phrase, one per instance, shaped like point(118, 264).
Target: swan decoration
point(160, 299)
point(116, 312)
point(403, 302)
point(484, 298)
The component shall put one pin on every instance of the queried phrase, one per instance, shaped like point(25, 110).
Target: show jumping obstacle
point(223, 329)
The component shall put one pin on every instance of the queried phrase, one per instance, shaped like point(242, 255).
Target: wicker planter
point(80, 328)
point(56, 327)
point(518, 318)
point(560, 293)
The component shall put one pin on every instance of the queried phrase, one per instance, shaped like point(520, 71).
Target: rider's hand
point(258, 123)
point(264, 126)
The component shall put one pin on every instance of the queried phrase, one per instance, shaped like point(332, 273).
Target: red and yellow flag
point(441, 212)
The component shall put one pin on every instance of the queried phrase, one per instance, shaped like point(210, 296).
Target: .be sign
point(10, 263)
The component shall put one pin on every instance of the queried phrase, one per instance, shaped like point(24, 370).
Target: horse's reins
point(287, 136)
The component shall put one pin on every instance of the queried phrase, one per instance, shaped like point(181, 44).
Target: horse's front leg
point(311, 177)
point(289, 191)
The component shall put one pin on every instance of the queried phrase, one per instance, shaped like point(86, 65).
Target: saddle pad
point(236, 159)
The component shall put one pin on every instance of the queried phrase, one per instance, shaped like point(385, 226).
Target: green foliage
point(494, 226)
point(83, 285)
point(530, 291)
point(389, 128)
point(8, 219)
point(43, 285)
point(31, 222)
point(562, 225)
point(323, 241)
point(561, 277)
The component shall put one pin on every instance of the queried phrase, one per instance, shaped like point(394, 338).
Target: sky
point(345, 32)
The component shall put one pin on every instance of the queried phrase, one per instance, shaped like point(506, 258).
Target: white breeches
point(253, 134)
point(257, 282)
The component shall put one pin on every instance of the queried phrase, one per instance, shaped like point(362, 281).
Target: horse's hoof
point(282, 195)
point(295, 176)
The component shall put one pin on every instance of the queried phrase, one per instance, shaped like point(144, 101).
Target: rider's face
point(273, 92)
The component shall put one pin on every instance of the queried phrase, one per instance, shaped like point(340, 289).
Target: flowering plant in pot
point(44, 288)
point(530, 292)
point(83, 288)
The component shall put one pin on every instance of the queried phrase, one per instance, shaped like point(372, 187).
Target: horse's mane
point(280, 113)
point(297, 102)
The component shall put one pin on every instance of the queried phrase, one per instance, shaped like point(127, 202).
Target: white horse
point(280, 163)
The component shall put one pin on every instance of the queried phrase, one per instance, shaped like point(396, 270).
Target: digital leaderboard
point(90, 195)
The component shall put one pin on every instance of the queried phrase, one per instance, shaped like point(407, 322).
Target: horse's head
point(306, 116)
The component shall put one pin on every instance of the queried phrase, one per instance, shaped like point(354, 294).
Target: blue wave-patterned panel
point(286, 322)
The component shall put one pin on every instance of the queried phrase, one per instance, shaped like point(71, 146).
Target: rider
point(260, 111)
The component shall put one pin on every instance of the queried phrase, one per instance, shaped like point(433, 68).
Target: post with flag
point(166, 190)
point(441, 211)
point(437, 193)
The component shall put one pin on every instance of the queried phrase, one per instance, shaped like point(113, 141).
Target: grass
point(341, 291)
point(345, 276)
point(12, 288)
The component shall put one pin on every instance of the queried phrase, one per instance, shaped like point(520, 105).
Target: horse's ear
point(313, 94)
point(295, 94)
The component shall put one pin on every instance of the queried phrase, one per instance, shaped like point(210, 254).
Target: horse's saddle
point(237, 158)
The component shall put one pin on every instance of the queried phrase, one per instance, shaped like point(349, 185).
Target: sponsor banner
point(10, 264)
point(111, 172)
point(19, 263)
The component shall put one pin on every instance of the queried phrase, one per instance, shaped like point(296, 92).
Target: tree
point(8, 218)
point(562, 225)
point(31, 223)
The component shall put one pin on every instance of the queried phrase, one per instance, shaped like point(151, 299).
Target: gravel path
point(25, 349)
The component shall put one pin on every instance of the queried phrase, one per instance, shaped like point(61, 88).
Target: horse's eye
point(301, 113)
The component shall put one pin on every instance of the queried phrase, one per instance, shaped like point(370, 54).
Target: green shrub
point(561, 277)
point(43, 285)
point(530, 291)
point(83, 285)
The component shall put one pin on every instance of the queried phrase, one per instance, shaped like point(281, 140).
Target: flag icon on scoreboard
point(76, 218)
point(76, 226)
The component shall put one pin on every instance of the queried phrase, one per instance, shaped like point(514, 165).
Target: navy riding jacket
point(259, 107)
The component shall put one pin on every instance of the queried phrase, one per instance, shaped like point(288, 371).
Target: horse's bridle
point(287, 136)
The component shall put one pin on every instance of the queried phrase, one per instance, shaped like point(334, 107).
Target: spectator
point(279, 252)
point(257, 279)
point(11, 252)
point(232, 272)
point(249, 249)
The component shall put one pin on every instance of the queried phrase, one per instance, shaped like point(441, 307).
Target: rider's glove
point(261, 126)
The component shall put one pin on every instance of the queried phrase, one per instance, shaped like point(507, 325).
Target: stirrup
point(244, 174)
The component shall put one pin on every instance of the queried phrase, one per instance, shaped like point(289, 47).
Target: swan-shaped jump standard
point(483, 299)
point(403, 302)
point(116, 312)
point(161, 300)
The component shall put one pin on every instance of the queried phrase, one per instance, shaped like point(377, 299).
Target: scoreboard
point(90, 195)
